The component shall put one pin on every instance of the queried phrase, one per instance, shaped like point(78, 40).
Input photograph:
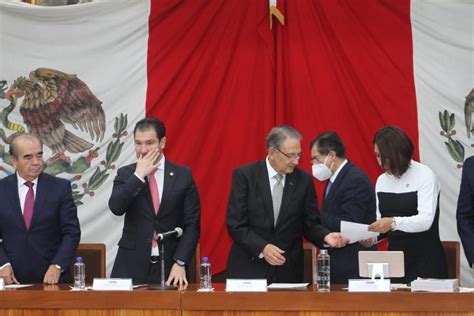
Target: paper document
point(355, 232)
point(287, 285)
point(17, 286)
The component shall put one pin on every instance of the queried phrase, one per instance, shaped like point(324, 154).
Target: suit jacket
point(250, 223)
point(351, 198)
point(179, 207)
point(54, 231)
point(465, 210)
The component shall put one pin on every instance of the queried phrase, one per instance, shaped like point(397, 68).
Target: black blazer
point(465, 210)
point(179, 207)
point(54, 230)
point(250, 223)
point(351, 198)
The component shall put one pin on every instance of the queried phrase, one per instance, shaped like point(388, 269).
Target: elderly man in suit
point(465, 210)
point(272, 206)
point(348, 195)
point(38, 219)
point(156, 195)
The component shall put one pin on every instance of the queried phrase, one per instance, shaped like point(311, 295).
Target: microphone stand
point(162, 286)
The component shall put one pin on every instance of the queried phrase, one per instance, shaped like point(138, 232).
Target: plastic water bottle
point(79, 274)
point(324, 271)
point(205, 274)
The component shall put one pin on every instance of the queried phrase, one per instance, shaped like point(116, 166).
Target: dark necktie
point(29, 204)
point(328, 188)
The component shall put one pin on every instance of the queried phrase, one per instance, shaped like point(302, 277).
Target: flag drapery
point(220, 78)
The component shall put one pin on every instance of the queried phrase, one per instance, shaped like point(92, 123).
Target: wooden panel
point(94, 259)
point(261, 313)
point(88, 312)
point(452, 250)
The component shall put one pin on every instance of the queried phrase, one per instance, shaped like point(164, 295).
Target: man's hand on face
point(147, 163)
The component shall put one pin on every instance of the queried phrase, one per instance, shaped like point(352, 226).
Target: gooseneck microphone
point(177, 232)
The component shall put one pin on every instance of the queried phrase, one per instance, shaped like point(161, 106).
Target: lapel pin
point(171, 173)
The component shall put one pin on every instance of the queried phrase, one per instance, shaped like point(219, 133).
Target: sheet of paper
point(287, 285)
point(17, 286)
point(355, 232)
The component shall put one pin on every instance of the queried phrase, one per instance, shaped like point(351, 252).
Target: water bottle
point(79, 274)
point(205, 274)
point(324, 271)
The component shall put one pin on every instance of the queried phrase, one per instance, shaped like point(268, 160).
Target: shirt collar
point(272, 172)
point(334, 176)
point(22, 181)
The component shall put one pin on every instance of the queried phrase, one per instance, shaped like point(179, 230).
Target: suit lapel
point(263, 185)
point(168, 183)
point(337, 183)
point(15, 200)
point(41, 191)
point(290, 184)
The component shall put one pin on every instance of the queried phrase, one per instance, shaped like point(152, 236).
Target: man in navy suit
point(465, 211)
point(348, 195)
point(156, 196)
point(272, 206)
point(38, 219)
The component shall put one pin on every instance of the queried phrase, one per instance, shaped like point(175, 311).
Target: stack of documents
point(435, 285)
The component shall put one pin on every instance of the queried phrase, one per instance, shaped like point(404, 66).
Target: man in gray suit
point(272, 206)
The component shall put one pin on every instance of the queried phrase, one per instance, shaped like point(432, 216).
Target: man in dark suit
point(156, 196)
point(348, 195)
point(465, 211)
point(272, 206)
point(38, 219)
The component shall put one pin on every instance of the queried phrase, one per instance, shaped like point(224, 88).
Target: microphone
point(177, 232)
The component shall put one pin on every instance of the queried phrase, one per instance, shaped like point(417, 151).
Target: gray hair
point(13, 151)
point(279, 134)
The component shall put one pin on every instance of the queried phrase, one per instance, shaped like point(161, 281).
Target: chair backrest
point(94, 258)
point(192, 273)
point(452, 250)
point(310, 253)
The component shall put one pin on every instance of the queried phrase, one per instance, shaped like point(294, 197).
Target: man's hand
point(52, 275)
point(177, 276)
point(382, 226)
point(335, 240)
point(146, 163)
point(8, 276)
point(368, 242)
point(273, 255)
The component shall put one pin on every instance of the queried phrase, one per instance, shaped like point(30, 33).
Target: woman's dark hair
point(395, 148)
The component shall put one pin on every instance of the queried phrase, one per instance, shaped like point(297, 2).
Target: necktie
point(29, 204)
point(328, 188)
point(277, 195)
point(155, 196)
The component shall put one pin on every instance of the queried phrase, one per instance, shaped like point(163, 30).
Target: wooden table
point(58, 300)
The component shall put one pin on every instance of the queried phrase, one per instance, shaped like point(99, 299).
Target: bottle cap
point(78, 259)
point(205, 259)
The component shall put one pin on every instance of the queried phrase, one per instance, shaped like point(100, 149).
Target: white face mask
point(321, 171)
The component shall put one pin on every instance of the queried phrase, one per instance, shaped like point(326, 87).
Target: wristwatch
point(393, 226)
point(58, 267)
point(180, 263)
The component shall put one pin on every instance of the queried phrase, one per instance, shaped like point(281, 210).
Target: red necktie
point(29, 204)
point(155, 196)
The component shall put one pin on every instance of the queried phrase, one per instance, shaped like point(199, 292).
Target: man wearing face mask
point(272, 206)
point(348, 195)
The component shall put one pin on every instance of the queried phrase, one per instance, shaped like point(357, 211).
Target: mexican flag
point(220, 78)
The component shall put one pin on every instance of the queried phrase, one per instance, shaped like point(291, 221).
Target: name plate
point(2, 284)
point(246, 285)
point(112, 284)
point(369, 285)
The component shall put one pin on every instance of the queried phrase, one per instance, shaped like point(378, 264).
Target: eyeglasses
point(315, 159)
point(291, 156)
